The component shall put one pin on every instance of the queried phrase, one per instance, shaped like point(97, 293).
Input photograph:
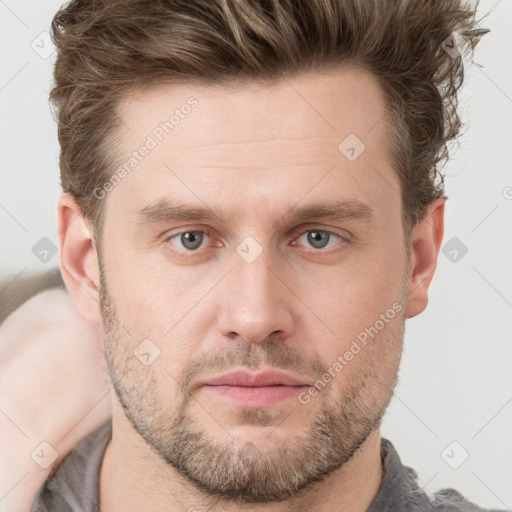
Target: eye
point(319, 239)
point(188, 240)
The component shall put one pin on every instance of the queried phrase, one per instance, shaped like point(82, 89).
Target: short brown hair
point(107, 48)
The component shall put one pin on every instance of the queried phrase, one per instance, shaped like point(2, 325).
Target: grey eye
point(189, 240)
point(319, 239)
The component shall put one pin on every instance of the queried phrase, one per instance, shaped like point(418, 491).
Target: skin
point(44, 344)
point(251, 153)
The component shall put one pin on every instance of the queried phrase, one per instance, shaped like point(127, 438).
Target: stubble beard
point(238, 469)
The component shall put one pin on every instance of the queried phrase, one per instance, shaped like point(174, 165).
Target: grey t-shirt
point(74, 486)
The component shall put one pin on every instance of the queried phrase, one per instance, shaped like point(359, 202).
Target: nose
point(257, 302)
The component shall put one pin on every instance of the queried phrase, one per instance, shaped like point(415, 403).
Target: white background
point(455, 381)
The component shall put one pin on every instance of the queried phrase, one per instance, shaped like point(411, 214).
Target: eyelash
point(186, 254)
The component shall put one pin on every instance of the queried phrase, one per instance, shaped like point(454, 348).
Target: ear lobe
point(426, 243)
point(78, 259)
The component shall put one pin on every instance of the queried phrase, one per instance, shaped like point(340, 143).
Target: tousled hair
point(107, 48)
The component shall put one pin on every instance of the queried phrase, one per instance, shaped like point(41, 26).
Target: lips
point(254, 391)
point(264, 379)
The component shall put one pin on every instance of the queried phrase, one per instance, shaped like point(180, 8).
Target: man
point(251, 210)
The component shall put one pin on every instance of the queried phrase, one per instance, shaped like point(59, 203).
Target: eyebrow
point(163, 211)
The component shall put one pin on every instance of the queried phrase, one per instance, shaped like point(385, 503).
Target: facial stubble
point(239, 469)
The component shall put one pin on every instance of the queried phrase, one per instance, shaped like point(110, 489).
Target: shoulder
point(74, 486)
point(400, 491)
point(450, 500)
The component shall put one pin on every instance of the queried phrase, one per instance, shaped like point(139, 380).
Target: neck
point(133, 477)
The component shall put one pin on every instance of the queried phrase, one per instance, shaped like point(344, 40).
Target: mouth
point(261, 390)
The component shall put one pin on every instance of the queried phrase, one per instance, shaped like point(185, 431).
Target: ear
point(426, 242)
point(78, 259)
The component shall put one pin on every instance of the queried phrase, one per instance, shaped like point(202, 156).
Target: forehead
point(284, 136)
point(324, 104)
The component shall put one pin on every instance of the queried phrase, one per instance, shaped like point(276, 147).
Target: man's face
point(255, 287)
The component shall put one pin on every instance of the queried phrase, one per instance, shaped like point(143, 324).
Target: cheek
point(353, 298)
point(170, 312)
point(149, 297)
